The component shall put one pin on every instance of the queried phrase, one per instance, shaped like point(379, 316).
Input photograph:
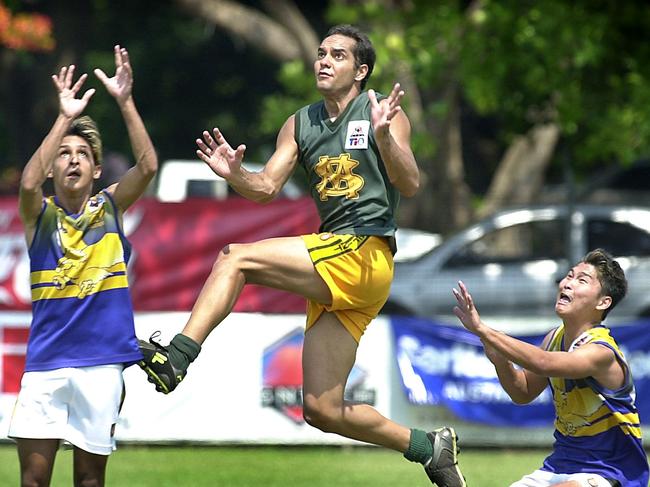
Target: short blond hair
point(86, 128)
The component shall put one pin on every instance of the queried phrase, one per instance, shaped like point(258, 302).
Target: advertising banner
point(444, 365)
point(245, 386)
point(174, 248)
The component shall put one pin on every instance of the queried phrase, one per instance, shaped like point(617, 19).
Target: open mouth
point(563, 298)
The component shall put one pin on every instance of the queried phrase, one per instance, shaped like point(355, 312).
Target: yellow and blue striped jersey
point(82, 311)
point(597, 430)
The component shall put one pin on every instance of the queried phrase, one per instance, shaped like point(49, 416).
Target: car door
point(625, 233)
point(512, 269)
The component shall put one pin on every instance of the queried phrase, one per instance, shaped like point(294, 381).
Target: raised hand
point(465, 309)
point(217, 153)
point(121, 84)
point(69, 105)
point(382, 112)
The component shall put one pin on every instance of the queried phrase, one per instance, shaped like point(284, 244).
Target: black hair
point(610, 275)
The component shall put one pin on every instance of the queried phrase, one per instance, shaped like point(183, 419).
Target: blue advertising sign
point(445, 365)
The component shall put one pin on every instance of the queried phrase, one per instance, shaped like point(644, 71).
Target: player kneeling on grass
point(597, 428)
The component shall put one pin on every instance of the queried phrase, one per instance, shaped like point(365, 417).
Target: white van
point(179, 179)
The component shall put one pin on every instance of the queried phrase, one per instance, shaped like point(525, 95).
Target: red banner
point(174, 248)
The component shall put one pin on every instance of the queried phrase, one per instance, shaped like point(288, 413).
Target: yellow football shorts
point(358, 270)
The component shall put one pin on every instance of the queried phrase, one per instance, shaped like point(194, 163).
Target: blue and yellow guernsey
point(597, 430)
point(81, 306)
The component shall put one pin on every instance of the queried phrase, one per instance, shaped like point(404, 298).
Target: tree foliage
point(524, 78)
point(501, 94)
point(25, 31)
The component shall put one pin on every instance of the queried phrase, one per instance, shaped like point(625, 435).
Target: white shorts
point(78, 405)
point(540, 478)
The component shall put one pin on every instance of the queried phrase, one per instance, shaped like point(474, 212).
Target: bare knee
point(89, 469)
point(320, 415)
point(89, 482)
point(226, 255)
point(29, 481)
point(228, 260)
point(35, 476)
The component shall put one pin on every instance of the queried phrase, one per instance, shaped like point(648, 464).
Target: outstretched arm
point(39, 165)
point(590, 360)
point(262, 186)
point(393, 135)
point(522, 385)
point(133, 184)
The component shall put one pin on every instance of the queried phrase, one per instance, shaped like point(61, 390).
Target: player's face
point(335, 65)
point(74, 167)
point(579, 293)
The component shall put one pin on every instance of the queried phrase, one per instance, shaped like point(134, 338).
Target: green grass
point(139, 466)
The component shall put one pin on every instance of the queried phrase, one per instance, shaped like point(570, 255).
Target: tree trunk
point(520, 175)
point(292, 38)
point(444, 200)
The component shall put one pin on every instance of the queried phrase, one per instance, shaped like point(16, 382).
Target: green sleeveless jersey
point(345, 172)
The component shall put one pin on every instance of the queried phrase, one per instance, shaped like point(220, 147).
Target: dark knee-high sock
point(420, 448)
point(183, 351)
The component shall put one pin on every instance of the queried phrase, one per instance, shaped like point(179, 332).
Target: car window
point(520, 243)
point(618, 238)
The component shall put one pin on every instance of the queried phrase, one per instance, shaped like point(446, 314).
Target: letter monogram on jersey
point(337, 177)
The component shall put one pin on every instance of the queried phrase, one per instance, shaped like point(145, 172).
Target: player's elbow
point(264, 197)
point(407, 186)
point(521, 399)
point(30, 183)
point(544, 365)
point(411, 189)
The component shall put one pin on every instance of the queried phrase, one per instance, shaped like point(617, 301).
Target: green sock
point(183, 351)
point(420, 448)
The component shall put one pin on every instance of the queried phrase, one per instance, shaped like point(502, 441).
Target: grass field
point(138, 466)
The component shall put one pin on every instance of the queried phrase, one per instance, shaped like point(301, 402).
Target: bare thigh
point(280, 263)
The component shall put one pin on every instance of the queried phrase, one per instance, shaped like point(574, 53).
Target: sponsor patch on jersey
point(358, 134)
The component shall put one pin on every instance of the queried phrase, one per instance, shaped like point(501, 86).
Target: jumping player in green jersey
point(355, 148)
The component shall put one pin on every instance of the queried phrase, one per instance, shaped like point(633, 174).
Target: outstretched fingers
point(463, 300)
point(117, 52)
point(395, 101)
point(122, 59)
point(68, 74)
point(63, 81)
point(373, 99)
point(77, 86)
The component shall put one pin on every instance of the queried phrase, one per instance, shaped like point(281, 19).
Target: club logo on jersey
point(358, 133)
point(337, 177)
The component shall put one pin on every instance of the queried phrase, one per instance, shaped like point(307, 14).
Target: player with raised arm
point(82, 333)
point(597, 427)
point(355, 148)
